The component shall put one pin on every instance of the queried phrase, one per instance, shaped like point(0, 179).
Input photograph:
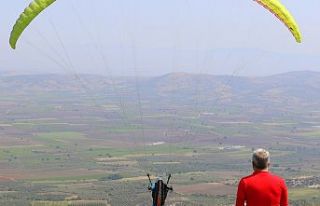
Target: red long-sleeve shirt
point(262, 189)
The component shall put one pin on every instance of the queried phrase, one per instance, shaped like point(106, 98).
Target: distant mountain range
point(297, 88)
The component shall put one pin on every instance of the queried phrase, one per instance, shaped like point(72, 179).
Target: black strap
point(149, 179)
point(169, 177)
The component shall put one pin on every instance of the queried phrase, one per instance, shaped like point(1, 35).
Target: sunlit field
point(62, 148)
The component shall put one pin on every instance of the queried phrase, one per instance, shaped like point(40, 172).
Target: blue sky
point(151, 37)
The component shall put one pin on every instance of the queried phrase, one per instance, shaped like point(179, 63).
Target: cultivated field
point(68, 147)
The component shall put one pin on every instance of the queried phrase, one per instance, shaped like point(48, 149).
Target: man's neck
point(264, 170)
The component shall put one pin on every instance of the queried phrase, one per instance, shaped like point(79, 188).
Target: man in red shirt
point(262, 188)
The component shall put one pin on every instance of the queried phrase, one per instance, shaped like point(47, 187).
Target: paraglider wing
point(31, 12)
point(37, 6)
point(282, 13)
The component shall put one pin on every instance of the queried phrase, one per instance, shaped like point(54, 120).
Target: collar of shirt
point(260, 172)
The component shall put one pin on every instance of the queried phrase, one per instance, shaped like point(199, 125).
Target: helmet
point(159, 179)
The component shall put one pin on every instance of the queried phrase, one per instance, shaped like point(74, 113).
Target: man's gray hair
point(260, 159)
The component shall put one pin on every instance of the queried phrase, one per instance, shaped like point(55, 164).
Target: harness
point(159, 194)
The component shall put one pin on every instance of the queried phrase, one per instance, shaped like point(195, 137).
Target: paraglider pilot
point(159, 190)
